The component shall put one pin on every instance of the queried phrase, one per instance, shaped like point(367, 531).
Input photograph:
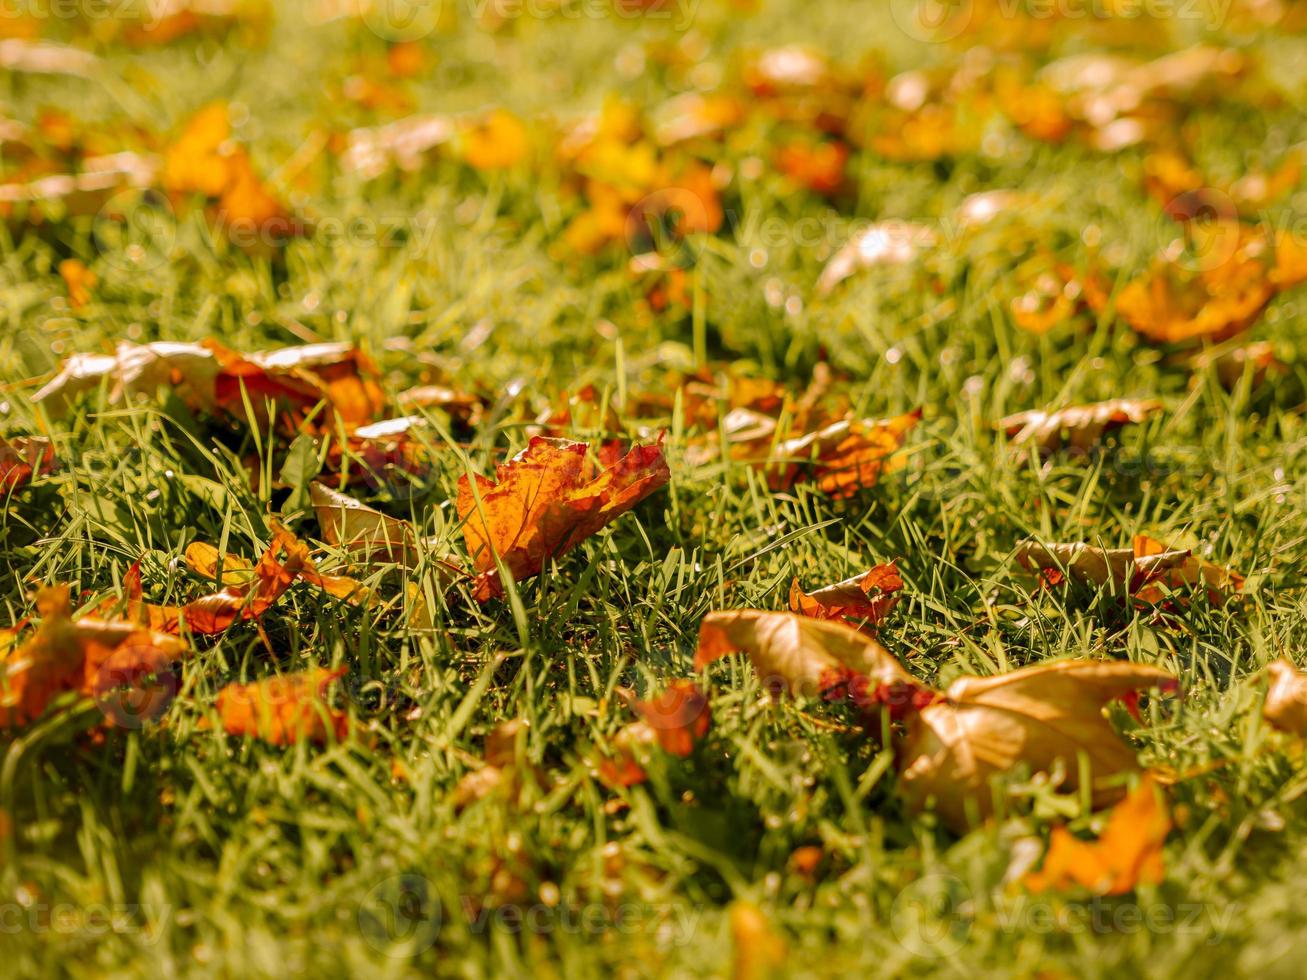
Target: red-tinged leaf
point(794, 652)
point(623, 767)
point(867, 597)
point(248, 592)
point(544, 502)
point(90, 656)
point(1128, 853)
point(21, 458)
point(679, 716)
point(284, 710)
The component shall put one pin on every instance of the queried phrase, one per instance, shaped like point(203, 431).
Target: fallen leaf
point(679, 716)
point(1286, 697)
point(79, 280)
point(283, 710)
point(246, 595)
point(1039, 716)
point(806, 656)
point(23, 457)
point(869, 596)
point(758, 951)
point(1080, 426)
point(544, 502)
point(886, 243)
point(1148, 570)
point(361, 531)
point(89, 655)
point(1126, 854)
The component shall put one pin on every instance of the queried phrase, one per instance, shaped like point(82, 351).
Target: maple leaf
point(1041, 716)
point(1080, 426)
point(545, 501)
point(283, 710)
point(21, 458)
point(1286, 697)
point(869, 596)
point(88, 655)
point(805, 656)
point(1126, 854)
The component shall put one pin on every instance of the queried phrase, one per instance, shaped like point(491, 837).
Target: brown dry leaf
point(544, 502)
point(1286, 697)
point(806, 656)
point(1148, 570)
point(1040, 716)
point(286, 709)
point(362, 532)
point(88, 655)
point(1080, 426)
point(1127, 853)
point(21, 458)
point(211, 378)
point(869, 596)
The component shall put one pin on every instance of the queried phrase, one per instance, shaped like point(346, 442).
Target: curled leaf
point(869, 596)
point(1080, 426)
point(23, 457)
point(679, 716)
point(1040, 716)
point(88, 655)
point(806, 656)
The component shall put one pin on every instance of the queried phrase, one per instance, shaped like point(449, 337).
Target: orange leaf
point(282, 710)
point(87, 655)
point(247, 593)
point(544, 502)
point(869, 596)
point(679, 716)
point(1126, 854)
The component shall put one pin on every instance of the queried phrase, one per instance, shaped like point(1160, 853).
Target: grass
point(212, 855)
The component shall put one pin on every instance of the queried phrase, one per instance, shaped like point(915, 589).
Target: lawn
point(806, 255)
